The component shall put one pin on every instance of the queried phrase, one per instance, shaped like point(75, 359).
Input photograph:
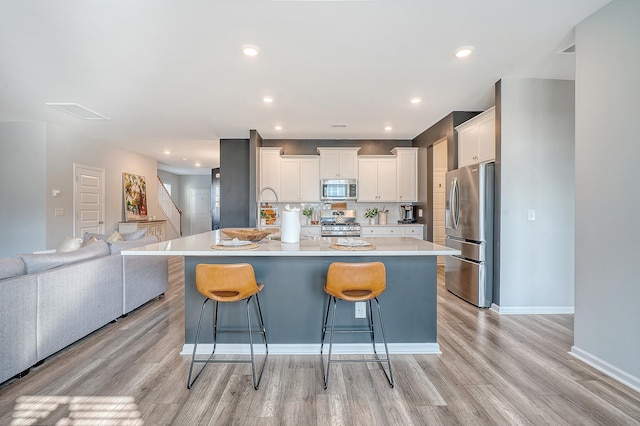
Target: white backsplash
point(393, 214)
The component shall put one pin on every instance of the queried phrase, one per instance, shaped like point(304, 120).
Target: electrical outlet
point(361, 309)
point(531, 215)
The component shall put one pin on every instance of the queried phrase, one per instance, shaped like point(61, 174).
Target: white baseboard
point(606, 368)
point(532, 310)
point(312, 349)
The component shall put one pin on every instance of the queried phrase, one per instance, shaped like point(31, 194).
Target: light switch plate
point(58, 212)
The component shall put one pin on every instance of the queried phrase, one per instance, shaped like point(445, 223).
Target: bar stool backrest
point(226, 283)
point(356, 281)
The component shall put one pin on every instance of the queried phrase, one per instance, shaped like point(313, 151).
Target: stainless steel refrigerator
point(469, 228)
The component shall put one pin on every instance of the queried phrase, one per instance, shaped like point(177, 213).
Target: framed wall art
point(135, 197)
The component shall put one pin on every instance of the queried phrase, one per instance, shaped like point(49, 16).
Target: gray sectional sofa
point(49, 301)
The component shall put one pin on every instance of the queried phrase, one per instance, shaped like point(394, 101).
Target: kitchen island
point(293, 299)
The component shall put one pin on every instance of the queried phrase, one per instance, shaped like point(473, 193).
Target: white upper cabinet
point(300, 178)
point(269, 172)
point(407, 170)
point(377, 180)
point(477, 139)
point(338, 163)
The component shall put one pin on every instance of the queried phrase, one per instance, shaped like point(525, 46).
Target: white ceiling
point(170, 75)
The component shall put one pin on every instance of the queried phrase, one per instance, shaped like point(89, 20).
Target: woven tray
point(353, 248)
point(244, 247)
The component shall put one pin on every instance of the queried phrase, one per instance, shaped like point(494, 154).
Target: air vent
point(77, 110)
point(339, 125)
point(571, 49)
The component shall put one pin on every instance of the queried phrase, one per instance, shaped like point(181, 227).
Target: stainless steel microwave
point(338, 189)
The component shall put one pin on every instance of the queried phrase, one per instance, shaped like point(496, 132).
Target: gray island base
point(293, 299)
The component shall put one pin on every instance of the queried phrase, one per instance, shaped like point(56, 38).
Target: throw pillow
point(89, 241)
point(69, 244)
point(88, 235)
point(115, 237)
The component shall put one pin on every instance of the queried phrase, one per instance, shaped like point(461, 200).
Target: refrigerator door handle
point(456, 197)
point(452, 203)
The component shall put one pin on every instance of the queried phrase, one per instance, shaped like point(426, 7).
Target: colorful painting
point(135, 197)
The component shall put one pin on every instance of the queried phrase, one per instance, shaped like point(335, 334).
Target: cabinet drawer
point(389, 231)
point(310, 231)
point(413, 231)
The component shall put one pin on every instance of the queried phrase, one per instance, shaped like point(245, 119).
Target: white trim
point(532, 310)
point(606, 368)
point(312, 349)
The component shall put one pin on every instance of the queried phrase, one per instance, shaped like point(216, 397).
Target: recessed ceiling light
point(387, 128)
point(416, 100)
point(167, 152)
point(278, 127)
point(197, 164)
point(184, 158)
point(249, 50)
point(267, 99)
point(463, 52)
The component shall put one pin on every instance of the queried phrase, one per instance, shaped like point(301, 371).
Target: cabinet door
point(487, 139)
point(412, 231)
point(367, 179)
point(387, 180)
point(348, 164)
point(269, 172)
point(328, 164)
point(289, 180)
point(467, 146)
point(407, 175)
point(310, 180)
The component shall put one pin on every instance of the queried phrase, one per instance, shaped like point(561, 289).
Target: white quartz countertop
point(200, 245)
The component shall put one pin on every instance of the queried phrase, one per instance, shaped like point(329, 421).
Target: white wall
point(64, 148)
point(22, 188)
point(537, 172)
point(607, 316)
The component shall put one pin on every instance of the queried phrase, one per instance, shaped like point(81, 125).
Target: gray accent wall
point(23, 203)
point(537, 172)
point(607, 316)
point(234, 183)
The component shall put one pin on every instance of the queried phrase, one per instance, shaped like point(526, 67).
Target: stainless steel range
point(339, 223)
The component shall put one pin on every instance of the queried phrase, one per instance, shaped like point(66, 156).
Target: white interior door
point(200, 211)
point(88, 200)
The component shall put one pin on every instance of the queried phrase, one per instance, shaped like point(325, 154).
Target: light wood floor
point(493, 370)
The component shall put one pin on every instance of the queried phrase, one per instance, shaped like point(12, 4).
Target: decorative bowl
point(247, 234)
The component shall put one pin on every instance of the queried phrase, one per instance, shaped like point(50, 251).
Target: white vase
point(372, 221)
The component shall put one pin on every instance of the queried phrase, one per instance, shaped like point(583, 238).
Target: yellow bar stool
point(228, 283)
point(355, 282)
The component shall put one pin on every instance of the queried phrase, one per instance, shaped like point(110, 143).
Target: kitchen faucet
point(259, 209)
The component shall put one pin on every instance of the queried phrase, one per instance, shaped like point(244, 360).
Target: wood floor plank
point(494, 369)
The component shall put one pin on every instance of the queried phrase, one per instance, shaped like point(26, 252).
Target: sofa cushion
point(88, 235)
point(35, 263)
point(135, 235)
point(11, 267)
point(69, 244)
point(116, 247)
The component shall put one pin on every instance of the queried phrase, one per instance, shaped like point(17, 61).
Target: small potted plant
point(371, 215)
point(308, 212)
point(264, 217)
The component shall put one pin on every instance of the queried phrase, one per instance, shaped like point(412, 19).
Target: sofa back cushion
point(116, 247)
point(11, 267)
point(35, 263)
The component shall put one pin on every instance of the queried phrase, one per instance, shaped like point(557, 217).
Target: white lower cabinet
point(413, 231)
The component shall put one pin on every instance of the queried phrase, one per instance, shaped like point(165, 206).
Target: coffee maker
point(407, 213)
